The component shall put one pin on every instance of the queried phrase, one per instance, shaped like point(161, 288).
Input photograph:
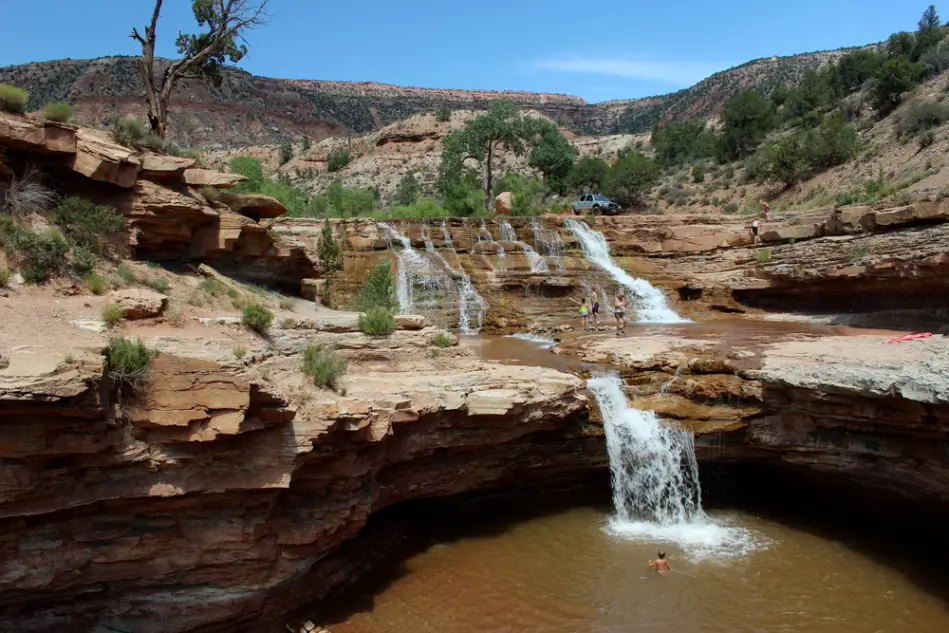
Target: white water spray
point(654, 473)
point(538, 264)
point(416, 273)
point(651, 304)
point(549, 244)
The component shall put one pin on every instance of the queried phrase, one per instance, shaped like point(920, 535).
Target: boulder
point(312, 288)
point(162, 166)
point(139, 303)
point(503, 204)
point(253, 205)
point(209, 178)
point(103, 160)
point(409, 321)
point(29, 134)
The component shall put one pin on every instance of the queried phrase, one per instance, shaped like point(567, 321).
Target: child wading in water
point(661, 564)
point(585, 314)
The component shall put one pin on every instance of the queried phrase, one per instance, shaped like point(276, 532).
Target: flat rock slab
point(139, 303)
point(209, 178)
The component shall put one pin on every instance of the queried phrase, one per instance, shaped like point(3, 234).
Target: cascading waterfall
point(470, 302)
point(484, 237)
point(419, 285)
point(538, 263)
point(655, 479)
point(651, 304)
point(653, 467)
point(549, 244)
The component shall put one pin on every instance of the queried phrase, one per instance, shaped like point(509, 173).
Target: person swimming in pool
point(661, 564)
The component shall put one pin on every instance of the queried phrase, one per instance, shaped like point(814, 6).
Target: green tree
point(779, 95)
point(306, 144)
point(252, 169)
point(408, 190)
point(551, 154)
point(835, 142)
point(630, 177)
point(679, 142)
point(785, 159)
point(929, 33)
point(331, 256)
point(812, 96)
point(501, 127)
point(746, 120)
point(902, 43)
point(378, 291)
point(443, 112)
point(896, 76)
point(855, 69)
point(286, 152)
point(202, 54)
point(930, 19)
point(588, 174)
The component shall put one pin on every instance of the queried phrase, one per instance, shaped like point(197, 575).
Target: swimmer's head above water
point(661, 555)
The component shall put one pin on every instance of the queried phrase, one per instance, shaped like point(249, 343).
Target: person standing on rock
point(765, 209)
point(755, 228)
point(619, 311)
point(595, 305)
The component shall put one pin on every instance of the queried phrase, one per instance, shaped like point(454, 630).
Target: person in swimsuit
point(595, 302)
point(755, 226)
point(584, 315)
point(765, 209)
point(619, 311)
point(661, 564)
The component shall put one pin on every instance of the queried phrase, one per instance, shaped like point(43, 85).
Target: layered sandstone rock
point(138, 303)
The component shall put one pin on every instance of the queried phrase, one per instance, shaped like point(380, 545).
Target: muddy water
point(564, 573)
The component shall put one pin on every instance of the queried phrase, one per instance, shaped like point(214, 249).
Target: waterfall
point(419, 285)
point(655, 480)
point(484, 236)
point(549, 243)
point(471, 305)
point(654, 472)
point(538, 263)
point(651, 302)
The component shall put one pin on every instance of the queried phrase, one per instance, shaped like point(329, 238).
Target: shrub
point(5, 275)
point(153, 142)
point(763, 254)
point(127, 361)
point(897, 75)
point(210, 194)
point(286, 152)
point(378, 321)
point(443, 112)
point(920, 117)
point(158, 284)
point(251, 168)
point(378, 290)
point(240, 351)
point(82, 261)
point(926, 139)
point(41, 254)
point(88, 224)
point(256, 317)
point(324, 366)
point(128, 130)
point(126, 274)
point(337, 159)
point(331, 256)
point(13, 99)
point(59, 112)
point(286, 303)
point(112, 314)
point(731, 207)
point(698, 174)
point(96, 284)
point(25, 196)
point(443, 339)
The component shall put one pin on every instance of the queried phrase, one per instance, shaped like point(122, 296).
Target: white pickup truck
point(596, 204)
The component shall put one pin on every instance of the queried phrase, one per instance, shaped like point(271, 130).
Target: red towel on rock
point(910, 337)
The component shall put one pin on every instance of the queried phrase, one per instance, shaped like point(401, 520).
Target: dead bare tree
point(202, 54)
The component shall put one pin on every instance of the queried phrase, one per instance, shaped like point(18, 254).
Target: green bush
point(95, 283)
point(377, 321)
point(153, 142)
point(443, 112)
point(13, 99)
point(127, 361)
point(324, 366)
point(128, 130)
point(158, 284)
point(443, 339)
point(59, 112)
point(763, 255)
point(897, 75)
point(337, 159)
point(210, 194)
point(5, 275)
point(87, 224)
point(82, 261)
point(920, 117)
point(40, 254)
point(731, 207)
point(698, 174)
point(926, 138)
point(408, 190)
point(330, 253)
point(378, 290)
point(286, 152)
point(126, 274)
point(256, 317)
point(112, 314)
point(252, 169)
point(240, 351)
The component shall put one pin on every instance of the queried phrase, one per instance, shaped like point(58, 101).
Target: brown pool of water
point(564, 573)
point(728, 333)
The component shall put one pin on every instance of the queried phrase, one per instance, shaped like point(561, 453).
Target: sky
point(610, 49)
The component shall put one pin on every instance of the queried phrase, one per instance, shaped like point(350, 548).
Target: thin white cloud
point(673, 73)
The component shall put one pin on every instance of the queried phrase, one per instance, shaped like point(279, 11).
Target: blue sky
point(611, 49)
